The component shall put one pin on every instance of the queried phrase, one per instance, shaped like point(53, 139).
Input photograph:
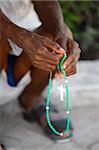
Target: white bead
point(66, 81)
point(47, 108)
point(61, 134)
point(68, 112)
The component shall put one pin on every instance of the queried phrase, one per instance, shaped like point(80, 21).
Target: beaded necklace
point(66, 101)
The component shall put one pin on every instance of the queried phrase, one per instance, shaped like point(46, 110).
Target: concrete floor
point(17, 134)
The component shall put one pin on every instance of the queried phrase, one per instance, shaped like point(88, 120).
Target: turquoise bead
point(66, 102)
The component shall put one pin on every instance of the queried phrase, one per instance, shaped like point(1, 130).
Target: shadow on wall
point(83, 19)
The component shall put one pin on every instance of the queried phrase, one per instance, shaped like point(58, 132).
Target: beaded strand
point(66, 101)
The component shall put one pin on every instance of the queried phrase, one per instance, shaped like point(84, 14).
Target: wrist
point(42, 31)
point(59, 30)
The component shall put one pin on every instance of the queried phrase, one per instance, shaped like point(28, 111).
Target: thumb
point(62, 41)
point(54, 46)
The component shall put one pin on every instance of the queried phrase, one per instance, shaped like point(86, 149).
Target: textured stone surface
point(17, 134)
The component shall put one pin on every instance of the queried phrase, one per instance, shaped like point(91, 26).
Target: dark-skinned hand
point(73, 54)
point(70, 46)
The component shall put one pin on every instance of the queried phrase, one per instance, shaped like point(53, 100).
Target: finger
point(60, 75)
point(72, 70)
point(71, 73)
point(76, 44)
point(62, 40)
point(46, 59)
point(57, 76)
point(54, 46)
point(70, 44)
point(73, 47)
point(68, 61)
point(77, 52)
point(44, 65)
point(76, 49)
point(71, 67)
point(43, 68)
point(48, 55)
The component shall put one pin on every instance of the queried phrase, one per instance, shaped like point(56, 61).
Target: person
point(2, 147)
point(33, 30)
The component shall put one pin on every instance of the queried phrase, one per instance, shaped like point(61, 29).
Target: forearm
point(12, 31)
point(50, 15)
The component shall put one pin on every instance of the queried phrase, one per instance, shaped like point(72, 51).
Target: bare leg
point(31, 95)
point(0, 147)
point(23, 65)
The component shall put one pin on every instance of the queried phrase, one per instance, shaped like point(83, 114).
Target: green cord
point(66, 101)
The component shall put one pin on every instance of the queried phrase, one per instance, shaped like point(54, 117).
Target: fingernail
point(61, 76)
point(57, 76)
point(68, 74)
point(62, 49)
point(64, 66)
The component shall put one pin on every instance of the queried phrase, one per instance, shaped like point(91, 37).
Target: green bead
point(66, 101)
